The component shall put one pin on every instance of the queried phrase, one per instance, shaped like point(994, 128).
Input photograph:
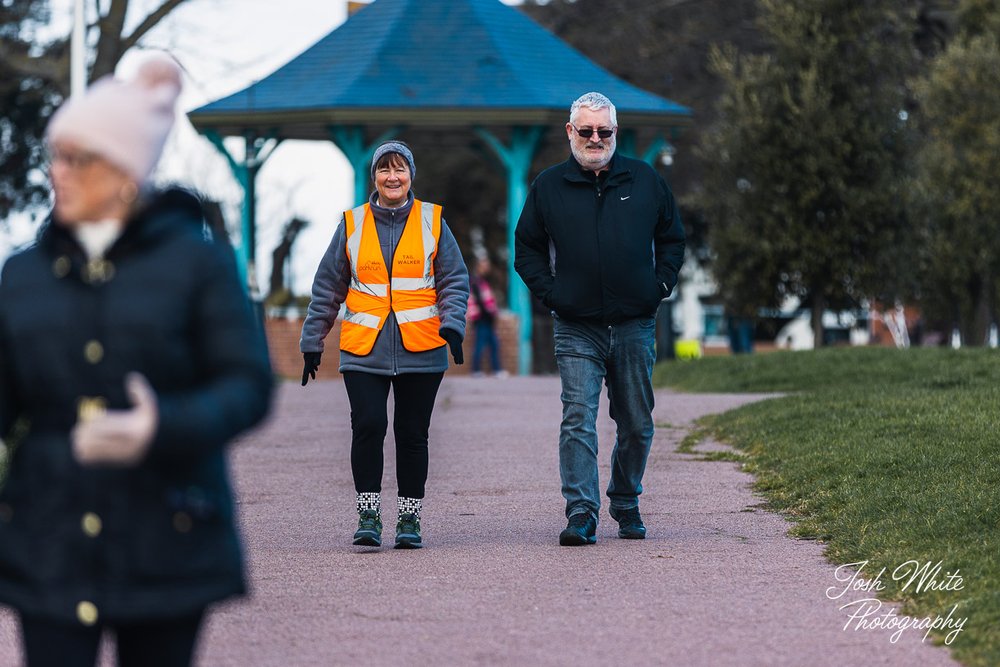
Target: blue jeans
point(486, 337)
point(621, 356)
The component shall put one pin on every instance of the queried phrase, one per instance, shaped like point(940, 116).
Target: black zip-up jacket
point(600, 249)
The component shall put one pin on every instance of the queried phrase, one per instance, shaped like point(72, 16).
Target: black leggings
point(414, 395)
point(165, 643)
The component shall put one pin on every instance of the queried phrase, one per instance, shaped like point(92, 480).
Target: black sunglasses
point(588, 132)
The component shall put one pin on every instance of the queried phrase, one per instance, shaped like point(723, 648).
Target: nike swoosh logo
point(624, 198)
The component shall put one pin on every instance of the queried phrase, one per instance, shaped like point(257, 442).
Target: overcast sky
point(224, 45)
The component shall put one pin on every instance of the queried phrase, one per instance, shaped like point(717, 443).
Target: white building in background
point(695, 286)
point(798, 333)
point(698, 318)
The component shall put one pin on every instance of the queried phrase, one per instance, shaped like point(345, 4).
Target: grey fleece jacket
point(388, 356)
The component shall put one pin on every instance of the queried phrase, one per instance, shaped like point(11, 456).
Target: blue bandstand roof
point(430, 63)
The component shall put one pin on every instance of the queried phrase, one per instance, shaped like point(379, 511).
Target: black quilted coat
point(157, 540)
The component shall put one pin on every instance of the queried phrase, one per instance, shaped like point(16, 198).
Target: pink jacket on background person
point(486, 294)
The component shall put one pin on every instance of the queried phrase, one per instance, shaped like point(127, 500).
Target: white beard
point(587, 161)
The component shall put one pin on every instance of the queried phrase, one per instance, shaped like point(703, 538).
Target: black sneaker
point(408, 532)
point(369, 532)
point(582, 529)
point(629, 523)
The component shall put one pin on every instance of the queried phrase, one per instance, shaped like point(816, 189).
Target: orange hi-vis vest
point(409, 293)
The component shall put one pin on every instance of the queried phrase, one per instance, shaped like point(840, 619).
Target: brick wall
point(283, 343)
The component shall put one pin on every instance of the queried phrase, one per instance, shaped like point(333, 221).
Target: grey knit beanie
point(394, 147)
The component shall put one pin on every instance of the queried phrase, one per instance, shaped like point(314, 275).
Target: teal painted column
point(245, 171)
point(627, 147)
point(516, 160)
point(350, 139)
point(625, 142)
point(656, 148)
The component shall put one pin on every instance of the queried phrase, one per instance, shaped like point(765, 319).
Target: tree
point(34, 79)
point(803, 187)
point(279, 292)
point(26, 102)
point(956, 204)
point(661, 46)
point(978, 17)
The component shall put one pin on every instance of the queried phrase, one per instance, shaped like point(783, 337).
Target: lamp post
point(78, 65)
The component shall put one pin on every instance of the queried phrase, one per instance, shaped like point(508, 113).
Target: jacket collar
point(162, 214)
point(380, 212)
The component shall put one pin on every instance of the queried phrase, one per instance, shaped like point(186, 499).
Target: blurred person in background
point(129, 359)
point(600, 242)
point(482, 315)
point(396, 268)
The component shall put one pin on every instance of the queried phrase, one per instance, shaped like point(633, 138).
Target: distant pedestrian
point(600, 242)
point(396, 267)
point(483, 312)
point(129, 359)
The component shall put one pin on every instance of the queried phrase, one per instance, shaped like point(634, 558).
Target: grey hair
point(593, 101)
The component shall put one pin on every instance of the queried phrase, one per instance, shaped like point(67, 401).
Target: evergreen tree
point(956, 202)
point(34, 79)
point(803, 188)
point(26, 103)
point(978, 17)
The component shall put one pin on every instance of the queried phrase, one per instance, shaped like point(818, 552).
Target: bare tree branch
point(149, 22)
point(109, 42)
point(52, 68)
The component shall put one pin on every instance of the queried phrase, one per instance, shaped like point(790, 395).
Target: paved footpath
point(717, 582)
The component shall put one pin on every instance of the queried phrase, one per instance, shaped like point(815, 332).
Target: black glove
point(454, 341)
point(312, 363)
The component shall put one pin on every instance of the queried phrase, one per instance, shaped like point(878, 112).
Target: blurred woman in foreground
point(129, 358)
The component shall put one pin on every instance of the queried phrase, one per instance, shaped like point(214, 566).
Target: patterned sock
point(370, 501)
point(409, 506)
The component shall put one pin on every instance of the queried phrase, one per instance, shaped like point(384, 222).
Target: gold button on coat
point(61, 266)
point(91, 524)
point(182, 522)
point(93, 351)
point(86, 612)
point(90, 407)
point(98, 271)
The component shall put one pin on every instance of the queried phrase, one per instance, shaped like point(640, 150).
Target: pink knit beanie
point(126, 123)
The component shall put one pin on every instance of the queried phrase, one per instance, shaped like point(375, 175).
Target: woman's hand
point(119, 437)
point(312, 360)
point(454, 340)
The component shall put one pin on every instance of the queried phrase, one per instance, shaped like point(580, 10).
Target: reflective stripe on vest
point(409, 293)
point(416, 315)
point(362, 319)
point(373, 289)
point(413, 283)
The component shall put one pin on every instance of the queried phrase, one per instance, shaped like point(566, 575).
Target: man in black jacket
point(600, 243)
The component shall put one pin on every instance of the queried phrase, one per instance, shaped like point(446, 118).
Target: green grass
point(884, 455)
